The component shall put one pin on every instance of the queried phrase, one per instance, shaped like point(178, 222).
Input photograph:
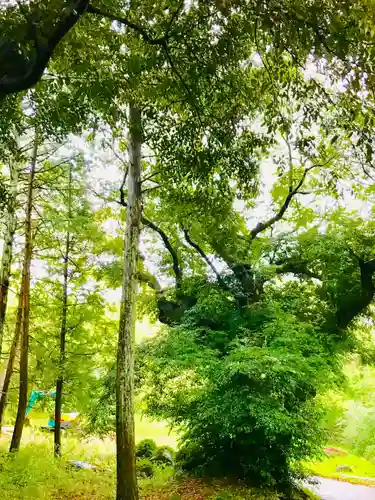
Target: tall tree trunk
point(64, 311)
point(6, 259)
point(11, 359)
point(126, 473)
point(24, 351)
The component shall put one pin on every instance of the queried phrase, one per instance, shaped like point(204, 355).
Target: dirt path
point(329, 489)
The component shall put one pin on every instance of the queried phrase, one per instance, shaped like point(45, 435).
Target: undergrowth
point(34, 474)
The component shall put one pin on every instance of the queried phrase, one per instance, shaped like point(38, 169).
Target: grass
point(34, 474)
point(144, 428)
point(361, 468)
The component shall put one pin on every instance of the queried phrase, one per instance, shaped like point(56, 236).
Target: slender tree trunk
point(11, 359)
point(24, 351)
point(64, 312)
point(126, 473)
point(6, 259)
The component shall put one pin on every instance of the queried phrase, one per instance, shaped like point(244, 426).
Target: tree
point(125, 438)
point(25, 318)
point(198, 89)
point(70, 336)
point(64, 312)
point(6, 258)
point(233, 372)
point(11, 358)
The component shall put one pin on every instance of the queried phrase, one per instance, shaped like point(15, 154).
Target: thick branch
point(145, 277)
point(262, 226)
point(298, 268)
point(147, 223)
point(37, 65)
point(150, 280)
point(205, 258)
point(176, 266)
point(348, 311)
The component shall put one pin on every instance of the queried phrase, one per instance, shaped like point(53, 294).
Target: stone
point(344, 468)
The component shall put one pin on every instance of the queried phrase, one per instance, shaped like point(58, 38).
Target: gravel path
point(329, 489)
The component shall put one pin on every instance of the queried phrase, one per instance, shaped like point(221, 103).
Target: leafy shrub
point(164, 455)
point(242, 386)
point(146, 448)
point(145, 468)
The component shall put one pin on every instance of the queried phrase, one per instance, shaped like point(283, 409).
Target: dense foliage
point(255, 204)
point(240, 385)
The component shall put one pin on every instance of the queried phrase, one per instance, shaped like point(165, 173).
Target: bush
point(146, 448)
point(242, 386)
point(145, 468)
point(164, 455)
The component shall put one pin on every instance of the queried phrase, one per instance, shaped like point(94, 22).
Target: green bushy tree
point(240, 385)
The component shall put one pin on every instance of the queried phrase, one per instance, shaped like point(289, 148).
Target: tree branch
point(348, 311)
point(147, 223)
point(205, 258)
point(173, 18)
point(150, 280)
point(125, 21)
point(176, 266)
point(190, 94)
point(10, 84)
point(298, 268)
point(290, 162)
point(262, 226)
point(139, 29)
point(122, 187)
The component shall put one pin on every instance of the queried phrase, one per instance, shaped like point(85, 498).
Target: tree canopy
point(233, 140)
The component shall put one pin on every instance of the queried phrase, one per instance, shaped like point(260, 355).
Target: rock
point(164, 456)
point(344, 468)
point(81, 465)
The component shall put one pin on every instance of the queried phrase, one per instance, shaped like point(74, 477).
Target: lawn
point(34, 474)
point(360, 468)
point(144, 428)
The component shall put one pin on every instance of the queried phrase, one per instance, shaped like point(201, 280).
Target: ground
point(34, 474)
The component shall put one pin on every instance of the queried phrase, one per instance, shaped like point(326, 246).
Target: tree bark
point(11, 359)
point(64, 312)
point(25, 295)
point(126, 472)
point(6, 259)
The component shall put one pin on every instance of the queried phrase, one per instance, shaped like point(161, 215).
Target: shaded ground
point(330, 489)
